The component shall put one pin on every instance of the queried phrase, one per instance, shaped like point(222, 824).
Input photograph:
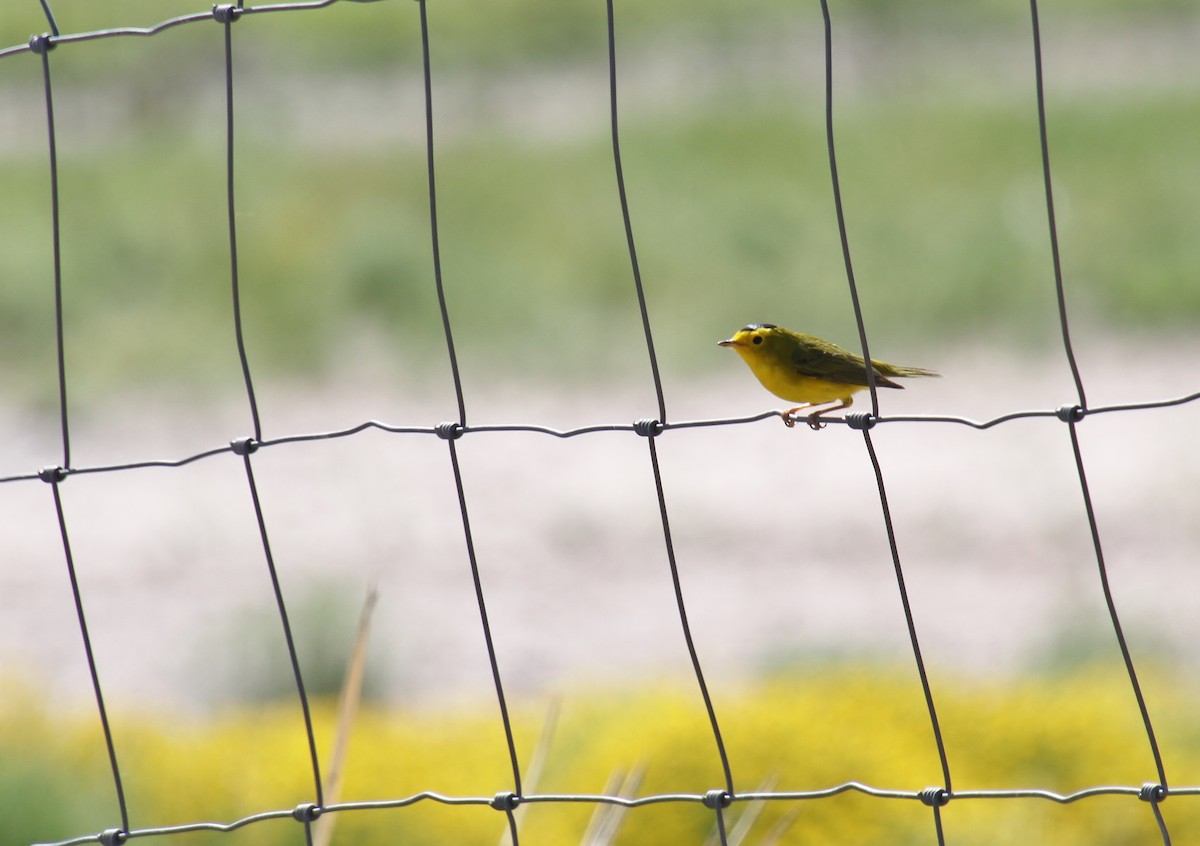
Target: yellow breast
point(785, 383)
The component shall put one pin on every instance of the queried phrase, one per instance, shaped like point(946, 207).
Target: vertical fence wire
point(865, 423)
point(245, 449)
point(41, 44)
point(433, 217)
point(719, 814)
point(1110, 603)
point(226, 15)
point(89, 654)
point(683, 618)
point(840, 211)
point(633, 259)
point(908, 614)
point(49, 13)
point(477, 582)
point(450, 432)
point(649, 428)
point(716, 800)
point(1154, 801)
point(1043, 136)
point(937, 823)
point(1072, 415)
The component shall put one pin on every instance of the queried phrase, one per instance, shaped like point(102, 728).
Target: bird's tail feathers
point(895, 370)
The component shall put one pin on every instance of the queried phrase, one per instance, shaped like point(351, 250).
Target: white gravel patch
point(777, 533)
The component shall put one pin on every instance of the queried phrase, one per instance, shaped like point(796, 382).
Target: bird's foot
point(790, 418)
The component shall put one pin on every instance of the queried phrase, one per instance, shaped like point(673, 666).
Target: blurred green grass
point(728, 187)
point(555, 30)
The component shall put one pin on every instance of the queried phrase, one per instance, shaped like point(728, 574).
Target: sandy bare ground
point(777, 533)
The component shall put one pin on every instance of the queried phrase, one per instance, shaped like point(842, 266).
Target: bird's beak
point(728, 342)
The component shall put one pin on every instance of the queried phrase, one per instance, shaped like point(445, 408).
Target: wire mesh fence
point(730, 792)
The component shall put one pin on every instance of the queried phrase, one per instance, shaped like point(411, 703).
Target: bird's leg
point(813, 418)
point(814, 422)
point(788, 416)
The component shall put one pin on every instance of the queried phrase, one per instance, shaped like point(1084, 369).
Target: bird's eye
point(758, 339)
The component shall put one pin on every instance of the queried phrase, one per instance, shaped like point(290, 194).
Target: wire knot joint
point(40, 44)
point(1070, 413)
point(306, 812)
point(449, 431)
point(1152, 792)
point(244, 446)
point(934, 797)
point(505, 800)
point(52, 475)
point(861, 420)
point(717, 798)
point(225, 13)
point(648, 428)
point(112, 837)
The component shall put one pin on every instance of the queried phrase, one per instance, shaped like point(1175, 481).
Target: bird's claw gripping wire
point(790, 419)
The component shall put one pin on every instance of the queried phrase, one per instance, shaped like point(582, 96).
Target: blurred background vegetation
point(723, 141)
point(724, 148)
point(865, 724)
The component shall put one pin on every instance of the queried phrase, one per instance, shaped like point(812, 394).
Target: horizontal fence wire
point(306, 812)
point(716, 799)
point(853, 420)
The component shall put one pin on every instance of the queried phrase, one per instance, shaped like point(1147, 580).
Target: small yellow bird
point(805, 369)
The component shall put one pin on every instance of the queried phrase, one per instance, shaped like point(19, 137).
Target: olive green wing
point(820, 359)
